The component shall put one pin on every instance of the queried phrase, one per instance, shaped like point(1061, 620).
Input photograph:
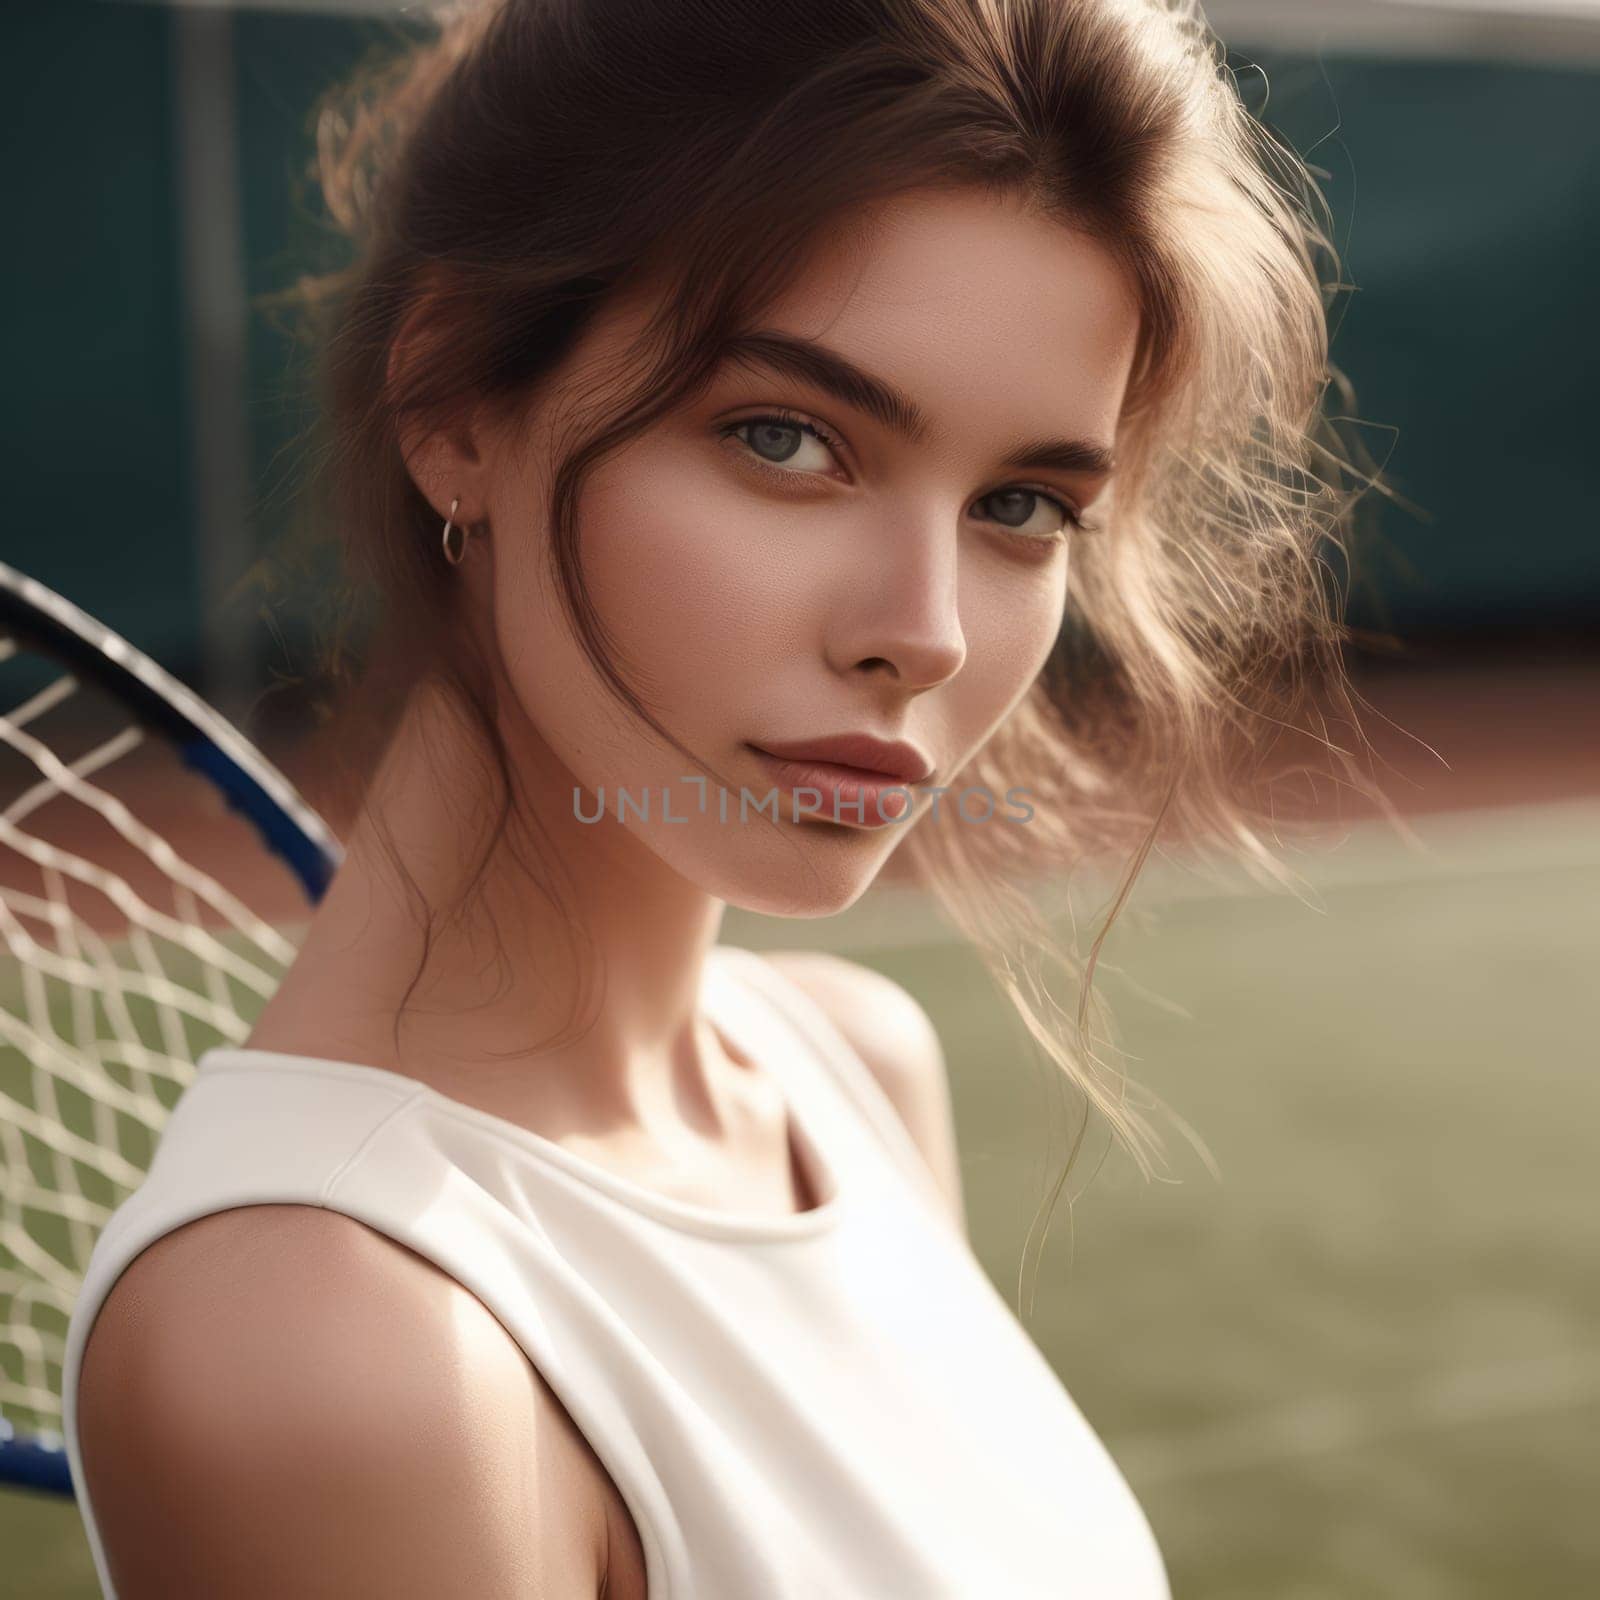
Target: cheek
point(1015, 616)
point(697, 588)
point(1010, 620)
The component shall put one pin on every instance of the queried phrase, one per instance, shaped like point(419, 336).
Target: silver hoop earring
point(454, 554)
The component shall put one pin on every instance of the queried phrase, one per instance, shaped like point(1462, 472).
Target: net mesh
point(126, 959)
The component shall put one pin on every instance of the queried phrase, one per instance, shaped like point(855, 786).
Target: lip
point(859, 755)
point(858, 796)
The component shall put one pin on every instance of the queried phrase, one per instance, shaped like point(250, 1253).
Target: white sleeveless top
point(835, 1402)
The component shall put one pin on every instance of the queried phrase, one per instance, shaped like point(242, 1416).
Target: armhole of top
point(845, 1067)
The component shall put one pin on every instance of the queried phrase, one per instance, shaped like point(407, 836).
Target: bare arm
point(278, 1400)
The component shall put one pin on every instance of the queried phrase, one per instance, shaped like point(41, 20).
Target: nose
point(900, 618)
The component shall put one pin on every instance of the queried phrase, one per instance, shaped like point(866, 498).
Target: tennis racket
point(150, 859)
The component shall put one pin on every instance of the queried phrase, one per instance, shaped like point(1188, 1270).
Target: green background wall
point(1465, 196)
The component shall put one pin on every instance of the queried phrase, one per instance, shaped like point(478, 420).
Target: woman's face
point(777, 579)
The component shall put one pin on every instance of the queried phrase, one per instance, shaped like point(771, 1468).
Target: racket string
point(98, 1033)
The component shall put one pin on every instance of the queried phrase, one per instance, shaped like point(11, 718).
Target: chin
point(817, 871)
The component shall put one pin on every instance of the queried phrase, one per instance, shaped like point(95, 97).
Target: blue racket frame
point(49, 623)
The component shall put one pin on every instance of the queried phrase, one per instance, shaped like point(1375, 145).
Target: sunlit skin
point(873, 584)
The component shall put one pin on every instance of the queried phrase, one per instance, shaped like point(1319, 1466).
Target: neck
point(577, 949)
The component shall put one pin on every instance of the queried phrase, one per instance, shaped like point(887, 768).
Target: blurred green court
point(1365, 1363)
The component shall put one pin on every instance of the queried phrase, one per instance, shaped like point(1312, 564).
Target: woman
point(719, 396)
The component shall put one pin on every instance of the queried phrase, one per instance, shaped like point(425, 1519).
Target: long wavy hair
point(499, 178)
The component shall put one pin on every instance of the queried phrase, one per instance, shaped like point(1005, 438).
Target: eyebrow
point(827, 369)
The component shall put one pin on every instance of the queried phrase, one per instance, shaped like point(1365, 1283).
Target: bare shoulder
point(888, 1028)
point(279, 1400)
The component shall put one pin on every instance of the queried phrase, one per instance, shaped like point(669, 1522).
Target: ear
point(446, 453)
